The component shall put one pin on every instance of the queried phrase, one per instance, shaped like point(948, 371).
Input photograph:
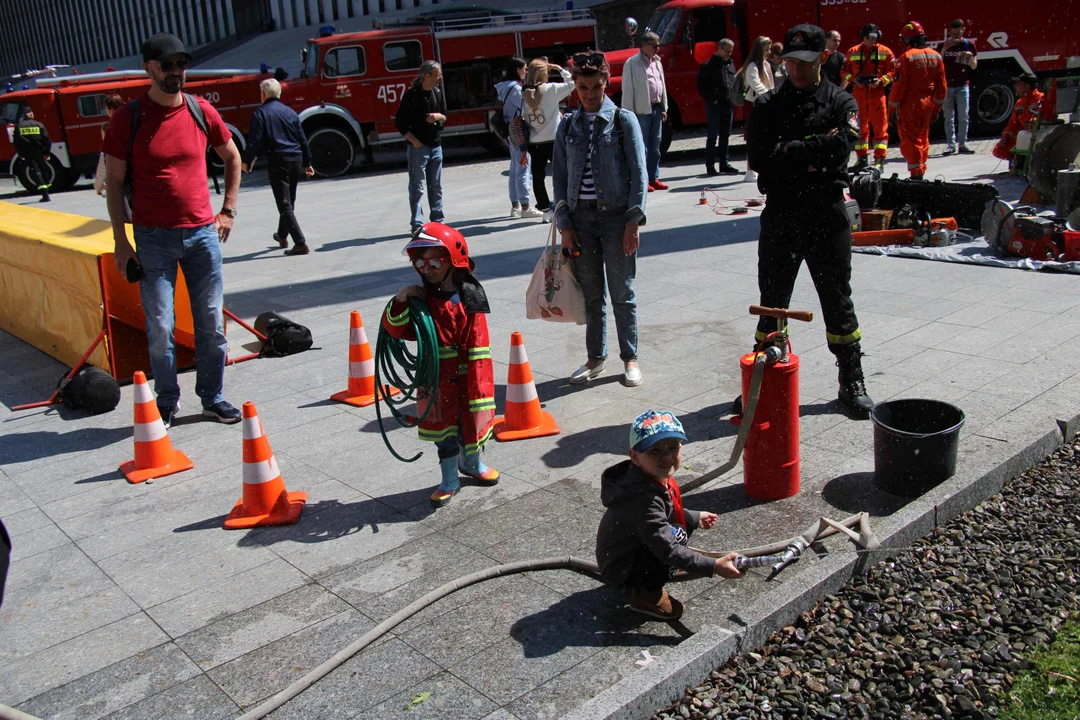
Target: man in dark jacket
point(32, 142)
point(799, 142)
point(714, 81)
point(276, 131)
point(643, 536)
point(833, 67)
point(420, 119)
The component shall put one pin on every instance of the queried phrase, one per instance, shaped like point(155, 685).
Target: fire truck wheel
point(992, 100)
point(332, 152)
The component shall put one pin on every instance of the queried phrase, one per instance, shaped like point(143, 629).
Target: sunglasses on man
point(170, 65)
point(593, 60)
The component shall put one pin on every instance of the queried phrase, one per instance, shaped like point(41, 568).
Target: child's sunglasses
point(433, 263)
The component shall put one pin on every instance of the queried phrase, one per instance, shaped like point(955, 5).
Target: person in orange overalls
point(867, 72)
point(1028, 103)
point(463, 408)
point(918, 93)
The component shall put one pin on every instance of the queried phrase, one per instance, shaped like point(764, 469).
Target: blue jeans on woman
point(519, 178)
point(652, 127)
point(425, 163)
point(600, 240)
point(197, 251)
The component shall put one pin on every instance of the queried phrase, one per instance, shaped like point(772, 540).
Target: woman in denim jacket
point(599, 180)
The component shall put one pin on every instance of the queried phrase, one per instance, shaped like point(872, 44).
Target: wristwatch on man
point(230, 212)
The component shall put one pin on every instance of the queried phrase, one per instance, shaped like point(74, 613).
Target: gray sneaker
point(949, 150)
point(223, 412)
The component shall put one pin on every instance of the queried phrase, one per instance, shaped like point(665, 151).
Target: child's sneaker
point(657, 604)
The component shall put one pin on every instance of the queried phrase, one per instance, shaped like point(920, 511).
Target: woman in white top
point(541, 110)
point(758, 76)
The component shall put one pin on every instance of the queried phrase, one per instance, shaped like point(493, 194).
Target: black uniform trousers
point(284, 174)
point(539, 157)
point(818, 232)
point(37, 172)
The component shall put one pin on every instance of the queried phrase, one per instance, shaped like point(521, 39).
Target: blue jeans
point(197, 251)
point(718, 134)
point(652, 127)
point(956, 105)
point(425, 163)
point(519, 178)
point(600, 239)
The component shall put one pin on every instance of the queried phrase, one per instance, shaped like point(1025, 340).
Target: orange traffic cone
point(361, 390)
point(265, 500)
point(524, 417)
point(154, 453)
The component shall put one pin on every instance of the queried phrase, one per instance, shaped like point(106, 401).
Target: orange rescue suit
point(863, 64)
point(1023, 117)
point(918, 94)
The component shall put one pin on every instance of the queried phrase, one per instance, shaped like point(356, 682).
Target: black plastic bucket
point(915, 443)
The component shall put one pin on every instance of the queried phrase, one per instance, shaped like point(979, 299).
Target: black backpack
point(283, 336)
point(498, 120)
point(196, 112)
point(90, 389)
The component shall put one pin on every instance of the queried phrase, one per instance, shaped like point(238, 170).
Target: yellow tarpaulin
point(53, 295)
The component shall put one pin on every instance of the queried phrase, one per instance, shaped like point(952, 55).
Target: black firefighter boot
point(852, 385)
point(861, 163)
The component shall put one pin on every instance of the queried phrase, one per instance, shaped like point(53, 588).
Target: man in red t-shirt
point(173, 222)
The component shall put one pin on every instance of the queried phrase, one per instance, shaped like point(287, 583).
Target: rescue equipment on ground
point(362, 386)
point(265, 501)
point(90, 389)
point(419, 371)
point(524, 417)
point(283, 336)
point(1020, 232)
point(963, 201)
point(726, 206)
point(154, 454)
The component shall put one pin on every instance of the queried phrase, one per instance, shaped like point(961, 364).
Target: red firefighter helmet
point(436, 234)
point(911, 31)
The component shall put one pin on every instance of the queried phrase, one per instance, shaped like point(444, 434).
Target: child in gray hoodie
point(643, 536)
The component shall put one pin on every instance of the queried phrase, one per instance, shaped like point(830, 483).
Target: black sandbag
point(91, 389)
point(963, 201)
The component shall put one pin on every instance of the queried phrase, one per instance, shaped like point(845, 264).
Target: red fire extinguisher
point(771, 454)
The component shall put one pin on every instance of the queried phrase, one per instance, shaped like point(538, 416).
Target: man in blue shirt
point(276, 131)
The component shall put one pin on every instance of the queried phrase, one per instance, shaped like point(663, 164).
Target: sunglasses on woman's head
point(433, 263)
point(170, 65)
point(594, 59)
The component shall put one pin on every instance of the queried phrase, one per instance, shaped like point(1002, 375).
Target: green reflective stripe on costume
point(463, 369)
point(480, 353)
point(844, 339)
point(447, 351)
point(436, 435)
point(475, 447)
point(397, 320)
point(760, 335)
point(479, 404)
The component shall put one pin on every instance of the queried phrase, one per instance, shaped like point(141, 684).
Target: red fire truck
point(346, 95)
point(1010, 38)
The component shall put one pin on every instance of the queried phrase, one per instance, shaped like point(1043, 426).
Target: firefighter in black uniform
point(800, 138)
point(32, 142)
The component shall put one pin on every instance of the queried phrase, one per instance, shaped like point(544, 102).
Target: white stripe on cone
point(148, 432)
point(142, 393)
point(521, 393)
point(261, 472)
point(252, 428)
point(517, 355)
point(362, 368)
point(357, 336)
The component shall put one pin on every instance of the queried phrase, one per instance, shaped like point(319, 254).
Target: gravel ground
point(938, 631)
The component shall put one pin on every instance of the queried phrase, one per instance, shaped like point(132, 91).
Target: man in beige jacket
point(644, 93)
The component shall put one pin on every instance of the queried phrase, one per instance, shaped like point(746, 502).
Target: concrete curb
point(664, 681)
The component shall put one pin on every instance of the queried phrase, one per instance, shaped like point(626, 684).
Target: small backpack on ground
point(283, 336)
point(90, 389)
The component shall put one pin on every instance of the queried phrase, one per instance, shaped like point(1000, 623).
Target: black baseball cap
point(804, 42)
point(161, 46)
point(1028, 78)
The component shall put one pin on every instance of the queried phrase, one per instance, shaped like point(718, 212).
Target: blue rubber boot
point(474, 467)
point(451, 483)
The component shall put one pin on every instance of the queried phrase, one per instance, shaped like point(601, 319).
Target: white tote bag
point(554, 294)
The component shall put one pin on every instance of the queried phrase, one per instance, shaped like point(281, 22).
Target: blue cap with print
point(653, 426)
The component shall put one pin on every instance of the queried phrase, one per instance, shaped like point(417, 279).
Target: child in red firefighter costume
point(1028, 103)
point(643, 537)
point(867, 72)
point(463, 412)
point(918, 93)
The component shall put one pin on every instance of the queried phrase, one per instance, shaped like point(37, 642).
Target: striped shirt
point(588, 190)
